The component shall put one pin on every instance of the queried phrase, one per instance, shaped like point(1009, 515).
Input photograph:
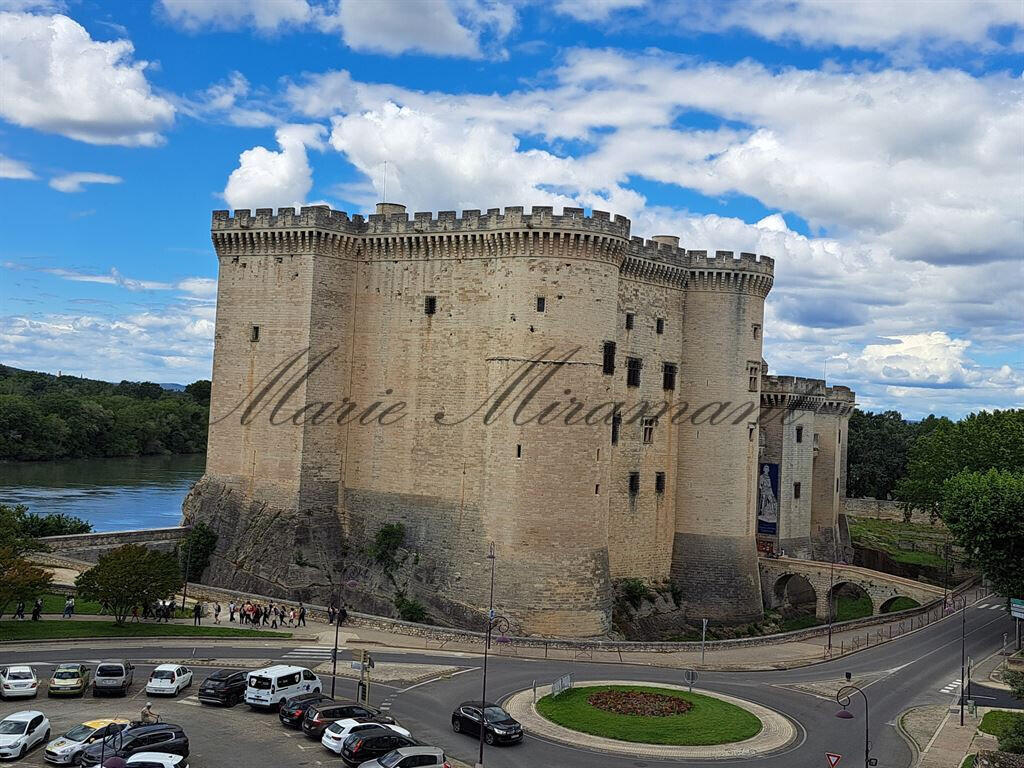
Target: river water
point(113, 494)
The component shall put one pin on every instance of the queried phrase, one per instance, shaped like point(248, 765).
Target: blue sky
point(875, 151)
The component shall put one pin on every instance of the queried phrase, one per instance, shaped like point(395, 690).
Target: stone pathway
point(952, 742)
point(776, 731)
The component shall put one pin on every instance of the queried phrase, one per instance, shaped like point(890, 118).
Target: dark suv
point(294, 709)
point(319, 716)
point(364, 746)
point(159, 737)
point(223, 687)
point(499, 728)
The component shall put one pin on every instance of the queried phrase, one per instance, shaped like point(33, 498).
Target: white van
point(269, 686)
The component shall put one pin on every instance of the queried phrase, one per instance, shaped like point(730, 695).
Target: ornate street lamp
point(502, 625)
point(843, 699)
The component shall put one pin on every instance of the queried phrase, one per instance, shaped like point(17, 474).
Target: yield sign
point(833, 759)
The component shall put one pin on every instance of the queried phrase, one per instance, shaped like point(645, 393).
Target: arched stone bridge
point(787, 580)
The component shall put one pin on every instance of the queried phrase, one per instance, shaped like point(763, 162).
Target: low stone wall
point(89, 546)
point(885, 509)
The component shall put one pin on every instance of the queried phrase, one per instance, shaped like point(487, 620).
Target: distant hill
point(43, 416)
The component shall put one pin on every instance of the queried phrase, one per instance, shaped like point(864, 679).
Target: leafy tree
point(199, 391)
point(132, 575)
point(14, 540)
point(203, 542)
point(1016, 682)
point(410, 610)
point(984, 512)
point(879, 444)
point(59, 524)
point(390, 537)
point(19, 579)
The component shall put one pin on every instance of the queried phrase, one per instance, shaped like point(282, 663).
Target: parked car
point(157, 760)
point(336, 733)
point(21, 731)
point(159, 737)
point(319, 716)
point(407, 757)
point(499, 726)
point(364, 746)
point(169, 680)
point(113, 676)
point(270, 686)
point(64, 750)
point(294, 709)
point(18, 682)
point(69, 680)
point(224, 686)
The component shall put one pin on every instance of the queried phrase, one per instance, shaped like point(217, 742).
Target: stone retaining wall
point(89, 546)
point(885, 509)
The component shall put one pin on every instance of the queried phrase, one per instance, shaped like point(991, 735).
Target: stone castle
point(595, 404)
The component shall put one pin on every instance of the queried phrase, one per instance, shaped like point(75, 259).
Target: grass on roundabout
point(58, 629)
point(710, 721)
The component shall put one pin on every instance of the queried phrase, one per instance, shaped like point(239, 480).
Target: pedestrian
point(231, 611)
point(19, 612)
point(216, 613)
point(291, 618)
point(331, 612)
point(342, 615)
point(197, 614)
point(273, 618)
point(69, 607)
point(37, 609)
point(266, 615)
point(302, 615)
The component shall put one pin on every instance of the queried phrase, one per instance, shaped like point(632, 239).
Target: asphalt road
point(910, 671)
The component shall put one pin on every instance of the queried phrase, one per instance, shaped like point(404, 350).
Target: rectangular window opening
point(616, 423)
point(629, 321)
point(837, 485)
point(756, 330)
point(634, 484)
point(519, 451)
point(633, 366)
point(540, 303)
point(659, 482)
point(668, 376)
point(754, 372)
point(597, 489)
point(799, 434)
point(254, 333)
point(430, 305)
point(796, 490)
point(609, 358)
point(648, 430)
point(659, 325)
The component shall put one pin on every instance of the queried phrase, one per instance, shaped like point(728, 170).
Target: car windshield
point(65, 674)
point(390, 760)
point(9, 727)
point(109, 670)
point(79, 733)
point(163, 674)
point(262, 683)
point(495, 714)
point(19, 674)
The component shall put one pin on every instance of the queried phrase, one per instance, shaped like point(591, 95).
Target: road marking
point(951, 686)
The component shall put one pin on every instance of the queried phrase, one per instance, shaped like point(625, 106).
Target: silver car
point(113, 676)
point(408, 757)
point(18, 682)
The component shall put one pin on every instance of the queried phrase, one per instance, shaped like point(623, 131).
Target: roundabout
point(658, 720)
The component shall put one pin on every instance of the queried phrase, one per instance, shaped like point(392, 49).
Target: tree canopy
point(194, 551)
point(129, 576)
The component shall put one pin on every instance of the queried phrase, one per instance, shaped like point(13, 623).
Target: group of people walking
point(255, 614)
point(37, 610)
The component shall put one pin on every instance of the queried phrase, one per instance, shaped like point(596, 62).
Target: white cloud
point(264, 15)
point(230, 100)
point(56, 78)
point(14, 169)
point(72, 182)
point(595, 10)
point(265, 178)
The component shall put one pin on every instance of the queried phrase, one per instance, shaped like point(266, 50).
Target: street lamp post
point(843, 699)
point(188, 569)
point(492, 621)
point(963, 656)
point(351, 584)
point(831, 586)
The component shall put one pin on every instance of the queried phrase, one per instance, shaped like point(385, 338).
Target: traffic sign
point(1017, 608)
point(833, 759)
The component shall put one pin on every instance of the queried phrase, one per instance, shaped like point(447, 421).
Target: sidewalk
point(952, 742)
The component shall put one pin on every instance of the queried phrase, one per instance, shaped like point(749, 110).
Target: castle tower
point(831, 423)
point(714, 557)
point(788, 407)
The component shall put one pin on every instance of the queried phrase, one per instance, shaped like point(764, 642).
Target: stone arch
point(793, 590)
point(851, 591)
point(898, 603)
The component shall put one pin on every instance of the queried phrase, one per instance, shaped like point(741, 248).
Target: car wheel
point(24, 749)
point(456, 725)
point(488, 737)
point(46, 736)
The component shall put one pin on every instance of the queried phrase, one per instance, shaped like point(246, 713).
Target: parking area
point(218, 736)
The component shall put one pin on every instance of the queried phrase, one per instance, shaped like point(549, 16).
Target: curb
point(35, 644)
point(902, 731)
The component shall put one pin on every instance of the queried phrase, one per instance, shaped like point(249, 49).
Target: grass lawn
point(53, 629)
point(799, 622)
point(901, 604)
point(887, 534)
point(968, 762)
point(998, 722)
point(55, 604)
point(853, 608)
point(711, 721)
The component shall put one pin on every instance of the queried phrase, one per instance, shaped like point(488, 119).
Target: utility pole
point(830, 596)
point(487, 644)
point(963, 656)
point(188, 569)
point(334, 653)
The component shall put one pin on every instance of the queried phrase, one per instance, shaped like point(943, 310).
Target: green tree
point(879, 444)
point(1012, 739)
point(130, 576)
point(203, 542)
point(984, 512)
point(14, 539)
point(199, 391)
point(20, 580)
point(1016, 682)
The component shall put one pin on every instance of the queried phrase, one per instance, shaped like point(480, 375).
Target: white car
point(169, 679)
point(18, 682)
point(64, 750)
point(336, 733)
point(21, 731)
point(157, 760)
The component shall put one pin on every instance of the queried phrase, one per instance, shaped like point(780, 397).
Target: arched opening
point(850, 601)
point(795, 599)
point(899, 603)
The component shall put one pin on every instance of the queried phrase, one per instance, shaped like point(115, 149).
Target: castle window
point(659, 482)
point(659, 325)
point(616, 423)
point(597, 489)
point(837, 485)
point(799, 434)
point(754, 372)
point(796, 490)
point(839, 437)
point(519, 450)
point(609, 358)
point(254, 333)
point(648, 430)
point(629, 321)
point(634, 483)
point(668, 376)
point(633, 366)
point(430, 305)
point(540, 303)
point(756, 330)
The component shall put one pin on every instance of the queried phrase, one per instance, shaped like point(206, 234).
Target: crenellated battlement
point(319, 216)
point(792, 392)
point(839, 400)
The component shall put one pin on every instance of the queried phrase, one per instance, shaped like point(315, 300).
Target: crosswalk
point(951, 687)
point(313, 654)
point(993, 606)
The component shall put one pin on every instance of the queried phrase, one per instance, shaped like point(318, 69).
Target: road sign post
point(833, 759)
point(690, 676)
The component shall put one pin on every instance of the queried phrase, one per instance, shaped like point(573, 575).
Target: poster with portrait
point(768, 499)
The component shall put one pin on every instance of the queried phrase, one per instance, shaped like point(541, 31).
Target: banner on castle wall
point(768, 499)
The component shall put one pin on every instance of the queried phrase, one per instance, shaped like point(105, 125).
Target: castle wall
point(830, 427)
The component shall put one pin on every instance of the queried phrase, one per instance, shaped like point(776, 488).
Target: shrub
point(410, 610)
point(634, 591)
point(389, 539)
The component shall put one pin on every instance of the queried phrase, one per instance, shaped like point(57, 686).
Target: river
point(113, 494)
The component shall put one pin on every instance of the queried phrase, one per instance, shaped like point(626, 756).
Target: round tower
point(714, 556)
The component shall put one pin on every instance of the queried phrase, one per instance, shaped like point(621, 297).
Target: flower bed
point(642, 703)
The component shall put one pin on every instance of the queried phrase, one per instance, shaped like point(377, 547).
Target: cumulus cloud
point(56, 78)
point(264, 15)
point(73, 182)
point(265, 178)
point(595, 10)
point(14, 169)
